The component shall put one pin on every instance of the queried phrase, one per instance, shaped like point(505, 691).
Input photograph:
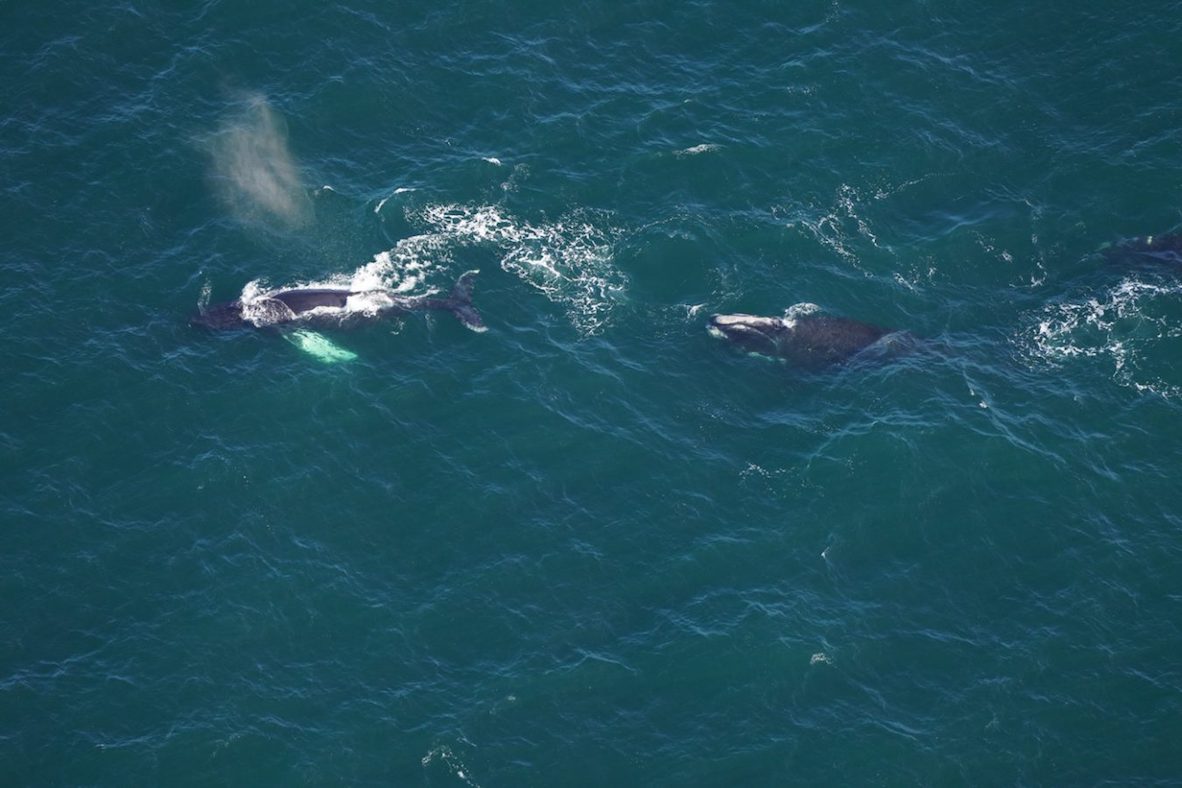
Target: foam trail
point(1133, 325)
point(569, 260)
point(254, 170)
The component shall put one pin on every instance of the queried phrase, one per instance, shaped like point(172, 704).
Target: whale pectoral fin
point(319, 346)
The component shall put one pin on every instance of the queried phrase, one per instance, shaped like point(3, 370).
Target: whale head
point(219, 316)
point(750, 333)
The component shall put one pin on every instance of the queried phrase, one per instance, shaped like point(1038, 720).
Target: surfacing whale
point(1164, 248)
point(807, 341)
point(321, 306)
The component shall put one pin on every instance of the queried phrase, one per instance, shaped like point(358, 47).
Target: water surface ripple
point(592, 545)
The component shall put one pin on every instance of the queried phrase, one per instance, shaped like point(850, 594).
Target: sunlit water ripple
point(590, 545)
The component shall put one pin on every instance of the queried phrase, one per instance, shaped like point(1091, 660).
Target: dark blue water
point(592, 545)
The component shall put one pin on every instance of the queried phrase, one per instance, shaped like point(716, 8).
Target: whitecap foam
point(1127, 325)
point(569, 260)
point(446, 756)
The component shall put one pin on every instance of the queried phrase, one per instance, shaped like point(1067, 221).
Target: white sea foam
point(569, 260)
point(1127, 325)
point(446, 756)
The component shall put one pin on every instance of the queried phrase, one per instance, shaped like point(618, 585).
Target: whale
point(1164, 248)
point(304, 307)
point(811, 342)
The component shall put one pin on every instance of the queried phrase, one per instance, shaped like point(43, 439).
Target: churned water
point(591, 545)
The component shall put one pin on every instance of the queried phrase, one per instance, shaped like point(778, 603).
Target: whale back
point(305, 300)
point(227, 314)
point(1147, 248)
point(822, 340)
point(807, 341)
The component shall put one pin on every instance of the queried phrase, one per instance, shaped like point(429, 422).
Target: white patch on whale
point(319, 346)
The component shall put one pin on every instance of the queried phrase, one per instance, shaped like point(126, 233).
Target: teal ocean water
point(591, 545)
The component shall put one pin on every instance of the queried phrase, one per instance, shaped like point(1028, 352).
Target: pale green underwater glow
point(319, 347)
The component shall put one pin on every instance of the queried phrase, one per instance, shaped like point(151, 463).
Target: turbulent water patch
point(1136, 326)
point(569, 260)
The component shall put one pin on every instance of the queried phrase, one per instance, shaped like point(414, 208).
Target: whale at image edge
point(807, 341)
point(1164, 248)
point(323, 306)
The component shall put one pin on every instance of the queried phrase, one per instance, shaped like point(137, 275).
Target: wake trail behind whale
point(1132, 326)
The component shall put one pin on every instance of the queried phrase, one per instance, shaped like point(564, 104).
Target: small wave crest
point(836, 226)
point(1135, 326)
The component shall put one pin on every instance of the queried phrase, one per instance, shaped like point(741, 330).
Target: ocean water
point(591, 545)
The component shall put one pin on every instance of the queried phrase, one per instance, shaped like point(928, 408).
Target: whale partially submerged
point(808, 341)
point(1164, 248)
point(320, 306)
